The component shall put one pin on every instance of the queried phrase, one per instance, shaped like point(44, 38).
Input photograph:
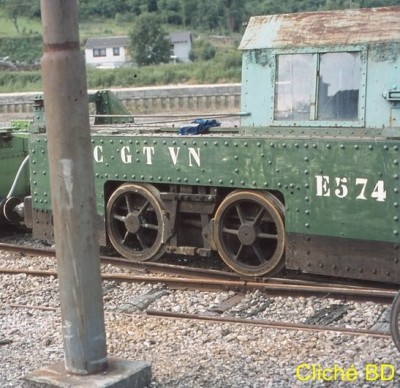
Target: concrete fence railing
point(152, 100)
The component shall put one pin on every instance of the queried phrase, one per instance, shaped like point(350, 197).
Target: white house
point(181, 43)
point(107, 52)
point(111, 52)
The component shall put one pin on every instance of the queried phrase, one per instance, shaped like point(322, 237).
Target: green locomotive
point(309, 181)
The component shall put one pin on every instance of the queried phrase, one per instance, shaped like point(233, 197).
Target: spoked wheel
point(135, 222)
point(250, 232)
point(395, 321)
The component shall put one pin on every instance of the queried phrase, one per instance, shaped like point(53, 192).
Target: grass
point(225, 67)
point(224, 70)
point(26, 27)
point(103, 28)
point(86, 29)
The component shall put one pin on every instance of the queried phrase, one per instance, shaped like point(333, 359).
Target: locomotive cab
point(323, 87)
point(322, 70)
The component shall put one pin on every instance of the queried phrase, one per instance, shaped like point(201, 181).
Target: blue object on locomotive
point(198, 127)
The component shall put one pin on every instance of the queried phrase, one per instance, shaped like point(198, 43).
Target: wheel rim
point(135, 222)
point(394, 321)
point(250, 233)
point(9, 210)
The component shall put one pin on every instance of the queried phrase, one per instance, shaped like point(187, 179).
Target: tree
point(152, 6)
point(234, 14)
point(104, 8)
point(13, 10)
point(189, 8)
point(149, 43)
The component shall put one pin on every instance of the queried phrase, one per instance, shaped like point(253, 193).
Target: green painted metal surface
point(13, 149)
point(331, 187)
point(109, 110)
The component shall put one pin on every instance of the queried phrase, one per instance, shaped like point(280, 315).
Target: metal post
point(72, 189)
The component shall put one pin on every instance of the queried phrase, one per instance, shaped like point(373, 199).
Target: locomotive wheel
point(250, 232)
point(135, 222)
point(395, 321)
point(2, 217)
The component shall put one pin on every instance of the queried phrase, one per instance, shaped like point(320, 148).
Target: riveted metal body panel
point(358, 259)
point(13, 150)
point(351, 182)
point(333, 188)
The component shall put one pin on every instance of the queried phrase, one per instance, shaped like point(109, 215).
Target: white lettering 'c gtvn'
point(126, 156)
point(98, 154)
point(174, 152)
point(148, 151)
point(195, 154)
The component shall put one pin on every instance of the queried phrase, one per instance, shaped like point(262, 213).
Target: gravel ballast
point(185, 353)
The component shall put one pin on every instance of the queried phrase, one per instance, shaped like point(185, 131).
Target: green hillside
point(214, 60)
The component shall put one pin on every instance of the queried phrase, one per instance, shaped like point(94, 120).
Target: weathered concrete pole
point(72, 189)
point(73, 205)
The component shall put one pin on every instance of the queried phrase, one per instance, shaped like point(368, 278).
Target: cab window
point(317, 86)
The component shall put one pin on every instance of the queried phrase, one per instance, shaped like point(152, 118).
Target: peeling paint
point(66, 174)
point(385, 52)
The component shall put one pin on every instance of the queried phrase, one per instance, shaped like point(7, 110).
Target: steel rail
point(149, 266)
point(195, 278)
point(231, 284)
point(158, 314)
point(145, 266)
point(207, 279)
point(267, 324)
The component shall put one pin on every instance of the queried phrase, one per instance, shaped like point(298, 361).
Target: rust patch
point(314, 29)
point(340, 27)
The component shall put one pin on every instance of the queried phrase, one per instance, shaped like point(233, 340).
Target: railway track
point(184, 278)
point(145, 329)
point(211, 280)
point(151, 313)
